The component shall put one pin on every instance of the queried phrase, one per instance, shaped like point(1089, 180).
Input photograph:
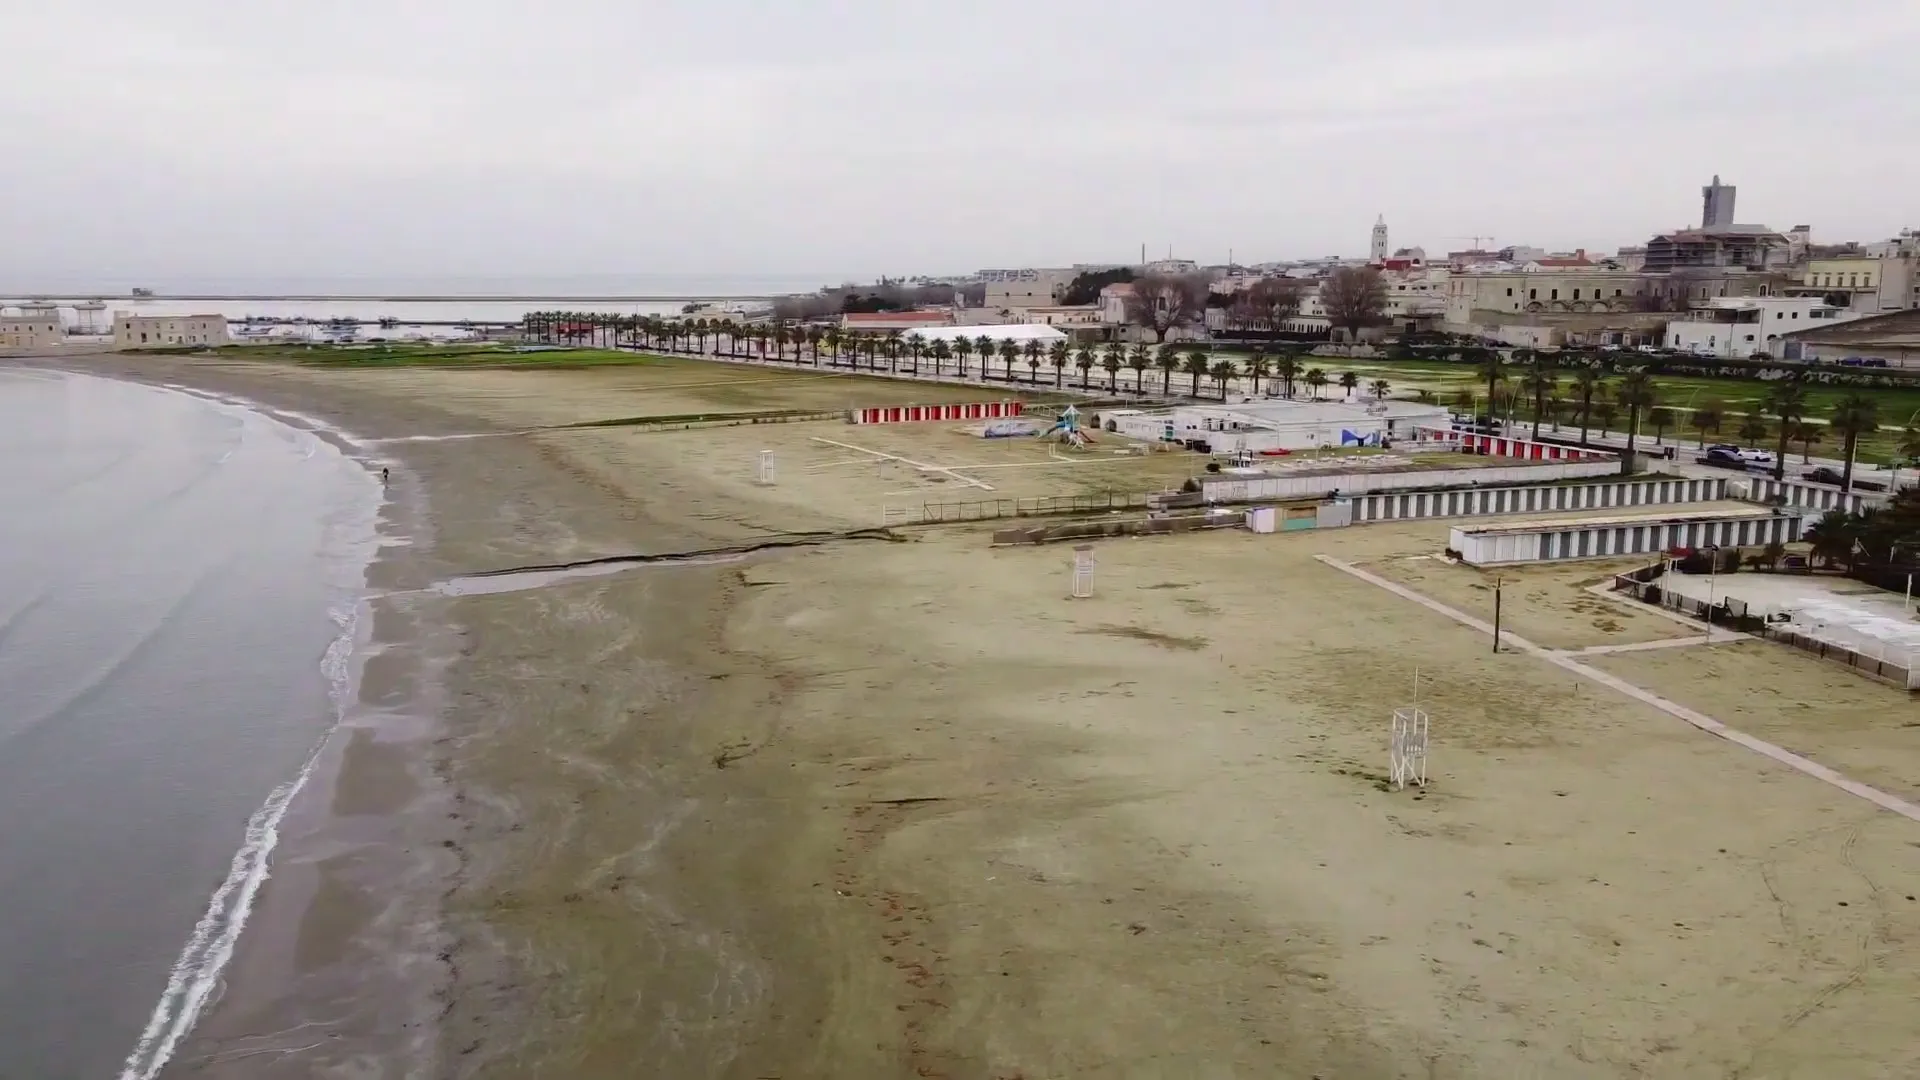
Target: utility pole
point(1496, 614)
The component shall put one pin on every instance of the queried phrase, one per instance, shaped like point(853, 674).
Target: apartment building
point(34, 332)
point(1022, 289)
point(1877, 279)
point(156, 331)
point(1734, 328)
point(1559, 290)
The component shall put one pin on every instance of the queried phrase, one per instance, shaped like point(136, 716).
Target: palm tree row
point(896, 353)
point(1593, 398)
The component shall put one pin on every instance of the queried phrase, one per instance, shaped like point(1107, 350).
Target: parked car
point(1724, 457)
point(1825, 474)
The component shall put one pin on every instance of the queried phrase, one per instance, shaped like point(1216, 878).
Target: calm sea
point(180, 583)
point(459, 290)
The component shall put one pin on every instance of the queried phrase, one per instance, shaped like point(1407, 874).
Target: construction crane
point(1477, 240)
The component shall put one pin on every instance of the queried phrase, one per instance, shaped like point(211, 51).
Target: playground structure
point(1067, 431)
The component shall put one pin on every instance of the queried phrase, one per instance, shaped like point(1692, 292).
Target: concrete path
point(1700, 720)
point(1723, 637)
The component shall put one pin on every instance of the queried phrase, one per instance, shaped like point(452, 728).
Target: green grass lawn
point(458, 354)
point(1680, 394)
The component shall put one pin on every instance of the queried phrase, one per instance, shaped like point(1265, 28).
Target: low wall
point(1812, 496)
point(1532, 498)
point(1555, 541)
point(1514, 446)
point(1270, 488)
point(953, 410)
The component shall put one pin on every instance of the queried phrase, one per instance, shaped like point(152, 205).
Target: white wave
point(196, 973)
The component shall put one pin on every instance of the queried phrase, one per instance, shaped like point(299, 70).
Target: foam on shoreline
point(196, 974)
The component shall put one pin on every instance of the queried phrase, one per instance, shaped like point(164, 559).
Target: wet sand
point(884, 810)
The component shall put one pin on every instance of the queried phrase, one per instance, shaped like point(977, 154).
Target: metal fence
point(1643, 586)
point(1041, 506)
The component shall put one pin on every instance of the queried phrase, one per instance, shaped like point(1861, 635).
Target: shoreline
point(900, 809)
point(310, 950)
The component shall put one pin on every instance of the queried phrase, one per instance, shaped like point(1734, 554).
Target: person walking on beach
point(383, 474)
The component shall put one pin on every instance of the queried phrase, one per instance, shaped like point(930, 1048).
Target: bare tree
point(1277, 299)
point(1354, 297)
point(1161, 302)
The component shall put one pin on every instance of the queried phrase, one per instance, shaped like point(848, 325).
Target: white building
point(1416, 292)
point(31, 333)
point(1258, 426)
point(151, 331)
point(1734, 328)
point(1016, 290)
point(1019, 333)
point(1066, 316)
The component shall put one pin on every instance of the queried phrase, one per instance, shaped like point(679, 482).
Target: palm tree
point(1009, 355)
point(1349, 381)
point(1138, 359)
point(831, 338)
point(1034, 351)
point(1588, 384)
point(984, 346)
point(1787, 401)
point(1112, 359)
point(1084, 360)
point(1222, 370)
point(1708, 417)
point(1255, 368)
point(1493, 368)
point(1196, 365)
point(815, 335)
point(1753, 428)
point(963, 348)
point(916, 348)
point(1635, 394)
point(1286, 368)
point(1315, 380)
point(1833, 537)
point(1058, 354)
point(941, 352)
point(893, 351)
point(1167, 359)
point(1909, 449)
point(1604, 410)
point(1661, 418)
point(1380, 388)
point(1542, 380)
point(1854, 416)
point(1424, 396)
point(1806, 434)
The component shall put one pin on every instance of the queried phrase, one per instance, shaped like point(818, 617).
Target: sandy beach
point(897, 809)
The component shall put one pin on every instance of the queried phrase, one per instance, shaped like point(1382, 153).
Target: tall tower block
point(1716, 211)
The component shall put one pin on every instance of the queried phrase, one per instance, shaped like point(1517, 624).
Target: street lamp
point(1713, 571)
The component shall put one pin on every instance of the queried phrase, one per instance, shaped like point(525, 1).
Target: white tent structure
point(1019, 333)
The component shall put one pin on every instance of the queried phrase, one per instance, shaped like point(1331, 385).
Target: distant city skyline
point(200, 138)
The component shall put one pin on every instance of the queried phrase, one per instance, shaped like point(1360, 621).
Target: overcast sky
point(858, 137)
